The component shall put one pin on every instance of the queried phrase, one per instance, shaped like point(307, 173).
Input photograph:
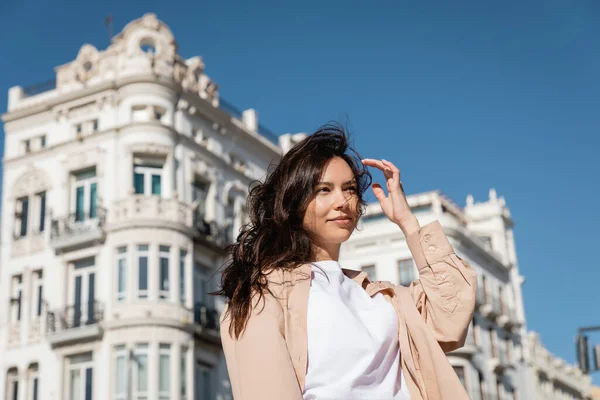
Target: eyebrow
point(331, 184)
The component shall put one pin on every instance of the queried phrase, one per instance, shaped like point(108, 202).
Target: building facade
point(553, 378)
point(492, 364)
point(123, 180)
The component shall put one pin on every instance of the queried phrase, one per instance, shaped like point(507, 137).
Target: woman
point(298, 326)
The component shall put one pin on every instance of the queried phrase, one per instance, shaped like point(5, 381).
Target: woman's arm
point(445, 291)
point(258, 362)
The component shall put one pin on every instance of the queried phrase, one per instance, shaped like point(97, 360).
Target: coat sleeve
point(446, 289)
point(258, 362)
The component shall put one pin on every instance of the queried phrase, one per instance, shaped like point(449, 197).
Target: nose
point(341, 200)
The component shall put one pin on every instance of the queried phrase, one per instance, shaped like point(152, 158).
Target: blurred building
point(492, 364)
point(553, 378)
point(123, 179)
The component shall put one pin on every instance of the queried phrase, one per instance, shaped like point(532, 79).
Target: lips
point(341, 220)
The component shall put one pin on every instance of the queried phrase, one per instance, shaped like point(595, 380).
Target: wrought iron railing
point(74, 316)
point(238, 114)
point(211, 231)
point(206, 317)
point(230, 108)
point(39, 88)
point(77, 223)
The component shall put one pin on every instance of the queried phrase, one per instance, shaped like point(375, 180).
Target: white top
point(353, 350)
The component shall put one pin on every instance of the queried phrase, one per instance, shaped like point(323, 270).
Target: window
point(164, 371)
point(121, 273)
point(147, 179)
point(481, 386)
point(484, 285)
point(84, 196)
point(32, 382)
point(475, 333)
point(200, 196)
point(38, 293)
point(43, 141)
point(406, 271)
point(460, 372)
point(78, 129)
point(12, 384)
point(183, 372)
point(95, 125)
point(120, 372)
point(142, 257)
point(182, 256)
point(140, 373)
point(163, 290)
point(80, 375)
point(21, 216)
point(17, 297)
point(499, 389)
point(370, 271)
point(148, 46)
point(159, 113)
point(492, 342)
point(82, 291)
point(202, 377)
point(501, 299)
point(41, 201)
point(27, 146)
point(201, 286)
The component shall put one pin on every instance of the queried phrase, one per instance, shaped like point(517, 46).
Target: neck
point(326, 252)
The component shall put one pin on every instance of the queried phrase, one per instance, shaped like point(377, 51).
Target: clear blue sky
point(461, 95)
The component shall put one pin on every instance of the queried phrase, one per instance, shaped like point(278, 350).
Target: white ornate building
point(492, 364)
point(122, 180)
point(553, 378)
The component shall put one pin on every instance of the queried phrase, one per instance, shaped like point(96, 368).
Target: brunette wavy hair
point(275, 237)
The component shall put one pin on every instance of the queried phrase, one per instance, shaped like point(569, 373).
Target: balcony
point(206, 323)
point(211, 234)
point(75, 232)
point(489, 306)
point(75, 324)
point(140, 210)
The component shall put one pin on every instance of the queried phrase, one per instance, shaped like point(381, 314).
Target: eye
point(323, 190)
point(352, 188)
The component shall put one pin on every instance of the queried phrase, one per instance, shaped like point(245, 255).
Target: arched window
point(12, 384)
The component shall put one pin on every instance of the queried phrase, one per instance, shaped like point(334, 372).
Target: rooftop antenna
point(108, 22)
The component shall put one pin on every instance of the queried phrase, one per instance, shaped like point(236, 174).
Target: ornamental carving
point(150, 148)
point(32, 181)
point(204, 169)
point(81, 160)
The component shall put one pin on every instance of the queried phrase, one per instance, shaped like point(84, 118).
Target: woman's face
point(332, 213)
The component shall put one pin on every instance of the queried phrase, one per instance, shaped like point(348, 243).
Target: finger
point(390, 165)
point(387, 172)
point(378, 192)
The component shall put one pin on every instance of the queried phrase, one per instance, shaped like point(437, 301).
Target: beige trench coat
point(269, 361)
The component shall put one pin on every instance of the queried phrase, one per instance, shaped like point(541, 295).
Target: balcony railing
point(206, 317)
point(150, 209)
point(211, 233)
point(76, 229)
point(38, 88)
point(75, 323)
point(237, 114)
